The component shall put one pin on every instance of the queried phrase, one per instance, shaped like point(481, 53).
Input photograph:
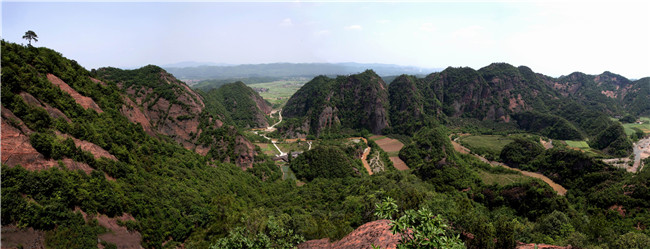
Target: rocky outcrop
point(53, 112)
point(84, 101)
point(163, 105)
point(375, 233)
point(118, 235)
point(98, 152)
point(17, 150)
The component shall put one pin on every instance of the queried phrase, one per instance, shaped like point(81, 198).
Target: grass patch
point(287, 147)
point(287, 172)
point(577, 144)
point(267, 149)
point(489, 146)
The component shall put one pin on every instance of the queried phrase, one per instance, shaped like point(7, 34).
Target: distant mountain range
point(194, 71)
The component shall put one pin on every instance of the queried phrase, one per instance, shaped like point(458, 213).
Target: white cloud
point(353, 27)
point(428, 27)
point(322, 33)
point(286, 22)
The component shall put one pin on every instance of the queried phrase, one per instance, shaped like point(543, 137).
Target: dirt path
point(364, 160)
point(365, 154)
point(557, 187)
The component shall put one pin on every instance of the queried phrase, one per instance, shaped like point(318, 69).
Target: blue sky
point(554, 38)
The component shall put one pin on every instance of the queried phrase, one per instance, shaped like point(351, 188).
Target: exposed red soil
point(131, 111)
point(98, 152)
point(392, 145)
point(547, 145)
point(97, 81)
point(17, 150)
point(389, 144)
point(372, 233)
point(619, 209)
point(609, 94)
point(118, 235)
point(12, 237)
point(398, 163)
point(84, 101)
point(53, 112)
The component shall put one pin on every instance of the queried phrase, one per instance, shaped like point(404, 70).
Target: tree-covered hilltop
point(239, 104)
point(358, 101)
point(77, 154)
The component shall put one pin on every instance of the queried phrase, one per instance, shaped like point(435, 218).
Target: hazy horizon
point(551, 38)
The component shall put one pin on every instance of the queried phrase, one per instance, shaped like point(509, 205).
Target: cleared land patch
point(485, 144)
point(392, 147)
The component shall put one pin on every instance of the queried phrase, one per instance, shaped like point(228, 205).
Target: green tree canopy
point(29, 36)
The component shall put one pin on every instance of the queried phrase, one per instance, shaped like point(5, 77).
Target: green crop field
point(279, 91)
point(645, 127)
point(577, 144)
point(482, 144)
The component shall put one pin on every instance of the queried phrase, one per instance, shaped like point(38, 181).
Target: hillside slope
point(357, 101)
point(167, 106)
point(239, 104)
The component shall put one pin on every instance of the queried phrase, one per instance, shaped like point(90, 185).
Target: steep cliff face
point(164, 105)
point(357, 101)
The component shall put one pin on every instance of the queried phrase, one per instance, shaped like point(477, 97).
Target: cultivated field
point(392, 147)
point(485, 144)
point(279, 91)
point(645, 127)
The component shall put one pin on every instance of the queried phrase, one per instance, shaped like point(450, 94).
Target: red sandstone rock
point(98, 152)
point(372, 233)
point(54, 112)
point(17, 150)
point(84, 101)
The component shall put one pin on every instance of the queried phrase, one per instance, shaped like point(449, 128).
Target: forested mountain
point(115, 158)
point(358, 101)
point(239, 104)
point(499, 93)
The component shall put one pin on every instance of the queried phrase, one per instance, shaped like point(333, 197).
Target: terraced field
point(392, 147)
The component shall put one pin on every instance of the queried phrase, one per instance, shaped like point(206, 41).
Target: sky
point(554, 38)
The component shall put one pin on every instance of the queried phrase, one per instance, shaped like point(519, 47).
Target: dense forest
point(179, 197)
